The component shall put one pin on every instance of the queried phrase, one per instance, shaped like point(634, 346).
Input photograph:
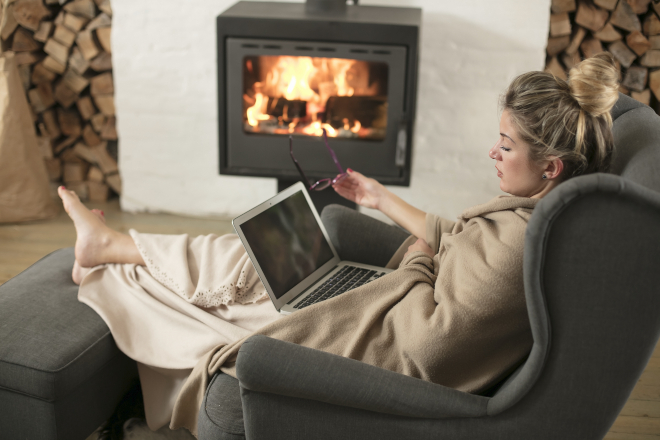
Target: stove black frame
point(366, 25)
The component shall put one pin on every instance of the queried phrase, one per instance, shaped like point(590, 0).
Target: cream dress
point(193, 294)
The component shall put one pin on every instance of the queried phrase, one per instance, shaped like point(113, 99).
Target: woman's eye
point(505, 148)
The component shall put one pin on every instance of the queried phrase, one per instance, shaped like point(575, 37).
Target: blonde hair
point(568, 119)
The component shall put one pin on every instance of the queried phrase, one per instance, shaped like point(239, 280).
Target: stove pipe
point(326, 6)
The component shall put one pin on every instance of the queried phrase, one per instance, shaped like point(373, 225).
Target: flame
point(316, 129)
point(256, 113)
point(311, 82)
point(292, 78)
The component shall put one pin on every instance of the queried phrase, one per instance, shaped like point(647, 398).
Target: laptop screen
point(287, 242)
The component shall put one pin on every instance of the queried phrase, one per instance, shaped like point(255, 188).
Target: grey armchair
point(592, 283)
point(592, 287)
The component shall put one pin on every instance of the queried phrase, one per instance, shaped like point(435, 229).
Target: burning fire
point(293, 94)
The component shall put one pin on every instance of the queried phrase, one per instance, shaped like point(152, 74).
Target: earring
point(544, 176)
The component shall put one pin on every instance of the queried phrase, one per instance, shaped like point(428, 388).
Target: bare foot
point(80, 272)
point(93, 236)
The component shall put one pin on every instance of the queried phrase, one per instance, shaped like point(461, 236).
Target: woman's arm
point(370, 193)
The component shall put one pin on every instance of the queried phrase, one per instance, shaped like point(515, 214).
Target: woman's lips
point(499, 173)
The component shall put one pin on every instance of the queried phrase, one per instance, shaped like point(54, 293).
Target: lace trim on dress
point(223, 295)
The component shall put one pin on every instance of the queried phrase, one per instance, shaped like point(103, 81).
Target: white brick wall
point(165, 80)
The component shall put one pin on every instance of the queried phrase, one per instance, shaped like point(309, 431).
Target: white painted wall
point(165, 82)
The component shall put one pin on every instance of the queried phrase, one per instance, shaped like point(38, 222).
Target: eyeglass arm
point(295, 162)
point(332, 152)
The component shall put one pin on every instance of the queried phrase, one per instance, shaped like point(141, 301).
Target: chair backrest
point(636, 142)
point(592, 287)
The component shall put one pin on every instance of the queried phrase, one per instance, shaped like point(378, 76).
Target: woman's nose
point(493, 152)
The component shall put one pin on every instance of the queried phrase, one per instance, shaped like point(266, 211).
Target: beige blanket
point(194, 294)
point(458, 319)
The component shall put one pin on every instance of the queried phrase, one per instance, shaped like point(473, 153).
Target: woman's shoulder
point(520, 206)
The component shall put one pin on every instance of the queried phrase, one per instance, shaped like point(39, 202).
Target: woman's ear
point(554, 168)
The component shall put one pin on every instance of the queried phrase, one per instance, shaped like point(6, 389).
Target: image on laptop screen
point(287, 243)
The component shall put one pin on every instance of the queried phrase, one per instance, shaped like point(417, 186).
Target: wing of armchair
point(592, 252)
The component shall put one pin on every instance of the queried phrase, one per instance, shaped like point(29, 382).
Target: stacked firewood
point(63, 51)
point(628, 29)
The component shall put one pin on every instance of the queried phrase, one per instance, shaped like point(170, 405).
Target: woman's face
point(519, 176)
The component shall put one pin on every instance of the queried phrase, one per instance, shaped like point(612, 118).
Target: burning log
point(369, 110)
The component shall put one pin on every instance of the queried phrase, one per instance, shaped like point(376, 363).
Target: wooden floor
point(23, 244)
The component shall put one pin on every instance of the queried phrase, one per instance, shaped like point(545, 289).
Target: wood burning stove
point(292, 68)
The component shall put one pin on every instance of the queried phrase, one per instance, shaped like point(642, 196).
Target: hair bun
point(594, 83)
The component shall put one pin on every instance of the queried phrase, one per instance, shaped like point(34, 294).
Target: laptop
point(290, 249)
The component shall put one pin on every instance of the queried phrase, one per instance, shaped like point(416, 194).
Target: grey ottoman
point(61, 374)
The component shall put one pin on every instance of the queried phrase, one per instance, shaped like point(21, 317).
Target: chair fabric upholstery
point(592, 304)
point(59, 364)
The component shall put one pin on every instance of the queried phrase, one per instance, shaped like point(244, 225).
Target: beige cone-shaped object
point(24, 186)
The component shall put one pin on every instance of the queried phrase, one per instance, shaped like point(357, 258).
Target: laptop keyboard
point(349, 277)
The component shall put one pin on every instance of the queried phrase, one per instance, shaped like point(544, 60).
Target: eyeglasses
point(323, 183)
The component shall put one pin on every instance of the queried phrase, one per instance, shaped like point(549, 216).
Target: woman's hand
point(360, 189)
point(420, 246)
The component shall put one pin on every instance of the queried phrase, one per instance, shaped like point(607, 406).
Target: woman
point(453, 312)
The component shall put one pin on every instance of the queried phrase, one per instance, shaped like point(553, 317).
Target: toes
point(66, 195)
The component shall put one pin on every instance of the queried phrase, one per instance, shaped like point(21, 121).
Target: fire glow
point(304, 95)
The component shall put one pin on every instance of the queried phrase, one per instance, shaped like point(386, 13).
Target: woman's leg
point(96, 243)
point(360, 238)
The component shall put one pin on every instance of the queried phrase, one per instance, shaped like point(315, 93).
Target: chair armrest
point(273, 366)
